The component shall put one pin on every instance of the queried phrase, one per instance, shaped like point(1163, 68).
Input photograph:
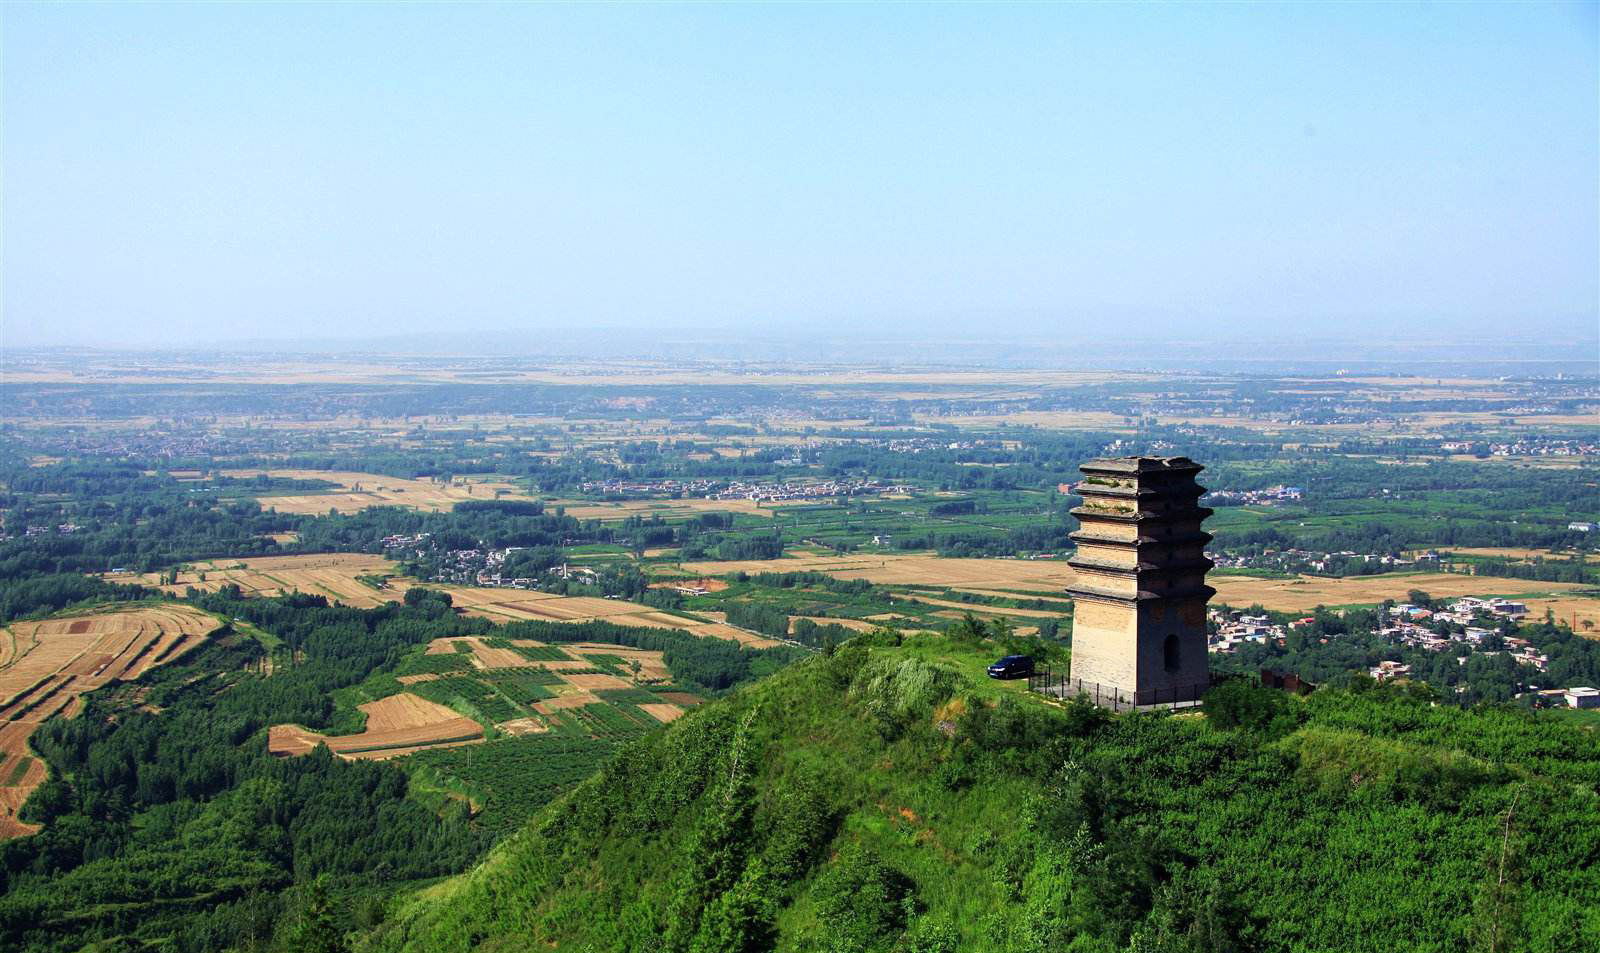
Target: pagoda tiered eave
point(1131, 515)
point(1095, 539)
point(1142, 567)
point(1086, 591)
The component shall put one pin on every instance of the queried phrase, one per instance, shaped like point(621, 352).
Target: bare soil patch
point(662, 713)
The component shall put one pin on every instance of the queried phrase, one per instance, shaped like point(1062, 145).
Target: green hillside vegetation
point(882, 798)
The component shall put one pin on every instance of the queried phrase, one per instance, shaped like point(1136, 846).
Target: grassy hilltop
point(882, 798)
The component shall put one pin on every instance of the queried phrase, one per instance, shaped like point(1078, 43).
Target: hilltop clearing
point(882, 799)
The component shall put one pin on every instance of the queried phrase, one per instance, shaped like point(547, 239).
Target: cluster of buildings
point(581, 574)
point(1408, 625)
point(788, 491)
point(1420, 628)
point(924, 444)
point(62, 529)
point(1270, 496)
point(406, 541)
point(651, 487)
point(764, 491)
point(1418, 637)
point(1526, 447)
point(480, 567)
point(1305, 560)
point(1234, 629)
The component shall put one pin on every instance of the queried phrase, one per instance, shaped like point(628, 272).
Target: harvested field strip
point(397, 724)
point(985, 610)
point(662, 712)
point(332, 575)
point(1052, 576)
point(19, 697)
point(858, 625)
point(176, 649)
point(1303, 593)
point(385, 753)
point(129, 663)
point(40, 703)
point(53, 707)
point(475, 734)
point(1046, 595)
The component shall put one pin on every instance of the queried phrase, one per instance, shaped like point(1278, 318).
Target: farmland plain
point(361, 490)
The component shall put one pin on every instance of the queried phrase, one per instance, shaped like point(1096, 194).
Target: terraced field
point(46, 666)
point(516, 686)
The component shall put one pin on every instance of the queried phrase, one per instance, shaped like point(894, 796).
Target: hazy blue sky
point(205, 172)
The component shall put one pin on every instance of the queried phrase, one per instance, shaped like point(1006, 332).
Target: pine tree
point(316, 932)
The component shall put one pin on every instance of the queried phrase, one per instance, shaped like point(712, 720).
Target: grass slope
point(881, 799)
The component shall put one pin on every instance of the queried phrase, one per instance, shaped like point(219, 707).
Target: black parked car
point(1012, 666)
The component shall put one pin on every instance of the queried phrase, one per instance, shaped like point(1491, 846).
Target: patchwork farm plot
point(1031, 576)
point(397, 725)
point(1049, 578)
point(47, 664)
point(461, 690)
point(357, 491)
point(506, 605)
point(334, 575)
point(339, 577)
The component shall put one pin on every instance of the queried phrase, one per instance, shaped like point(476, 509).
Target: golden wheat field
point(46, 665)
point(328, 574)
point(1520, 554)
point(509, 605)
point(336, 576)
point(1042, 576)
point(361, 490)
point(397, 725)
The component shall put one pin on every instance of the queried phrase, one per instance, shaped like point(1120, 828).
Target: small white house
point(1583, 697)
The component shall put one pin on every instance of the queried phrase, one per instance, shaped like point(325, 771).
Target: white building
point(1583, 697)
